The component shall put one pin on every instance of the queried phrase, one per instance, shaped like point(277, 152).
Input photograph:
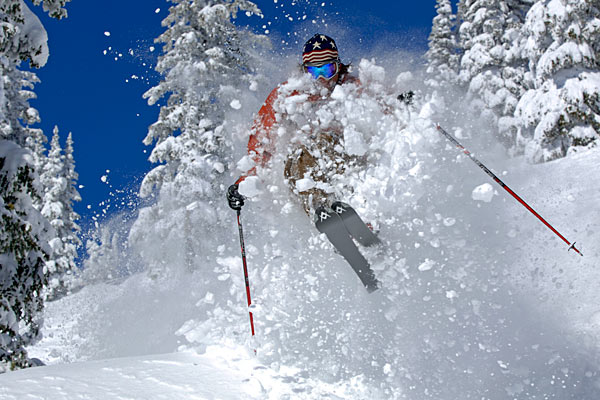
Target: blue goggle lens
point(327, 71)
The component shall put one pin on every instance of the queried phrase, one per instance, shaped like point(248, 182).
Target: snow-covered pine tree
point(54, 8)
point(514, 71)
point(442, 56)
point(492, 67)
point(203, 65)
point(23, 252)
point(53, 184)
point(58, 179)
point(562, 111)
point(205, 62)
point(105, 255)
point(71, 240)
point(24, 233)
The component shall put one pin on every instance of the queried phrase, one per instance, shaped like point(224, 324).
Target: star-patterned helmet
point(319, 50)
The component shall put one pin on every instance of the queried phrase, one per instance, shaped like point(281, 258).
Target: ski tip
point(372, 287)
point(322, 214)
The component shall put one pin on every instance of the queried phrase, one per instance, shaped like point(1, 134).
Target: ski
point(355, 225)
point(332, 225)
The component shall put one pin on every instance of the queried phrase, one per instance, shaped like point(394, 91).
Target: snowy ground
point(173, 376)
point(568, 191)
point(559, 289)
point(479, 300)
point(223, 373)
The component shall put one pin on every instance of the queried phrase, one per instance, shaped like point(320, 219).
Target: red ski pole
point(246, 279)
point(505, 187)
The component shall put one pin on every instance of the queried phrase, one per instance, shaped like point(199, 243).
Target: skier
point(319, 157)
point(320, 59)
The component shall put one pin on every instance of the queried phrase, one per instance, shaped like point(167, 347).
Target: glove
point(407, 97)
point(235, 199)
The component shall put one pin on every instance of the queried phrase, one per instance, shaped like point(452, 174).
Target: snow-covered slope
point(478, 298)
point(553, 327)
point(174, 376)
point(223, 373)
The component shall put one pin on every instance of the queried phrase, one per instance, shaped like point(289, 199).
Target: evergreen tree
point(442, 56)
point(52, 209)
point(205, 62)
point(493, 68)
point(71, 237)
point(58, 179)
point(23, 252)
point(54, 8)
point(562, 110)
point(24, 233)
point(18, 115)
point(515, 75)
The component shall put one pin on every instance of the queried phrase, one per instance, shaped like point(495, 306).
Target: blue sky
point(101, 63)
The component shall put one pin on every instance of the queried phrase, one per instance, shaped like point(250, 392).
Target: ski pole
point(505, 187)
point(246, 279)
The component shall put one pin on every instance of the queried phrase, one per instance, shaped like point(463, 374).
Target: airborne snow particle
point(387, 369)
point(235, 104)
point(157, 11)
point(449, 221)
point(246, 163)
point(427, 265)
point(483, 192)
point(250, 187)
point(451, 294)
point(107, 33)
point(305, 184)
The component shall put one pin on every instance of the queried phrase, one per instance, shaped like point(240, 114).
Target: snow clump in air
point(483, 193)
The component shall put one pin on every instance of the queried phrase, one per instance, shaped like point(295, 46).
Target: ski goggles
point(326, 71)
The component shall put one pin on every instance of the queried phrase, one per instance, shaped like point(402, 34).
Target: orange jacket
point(261, 144)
